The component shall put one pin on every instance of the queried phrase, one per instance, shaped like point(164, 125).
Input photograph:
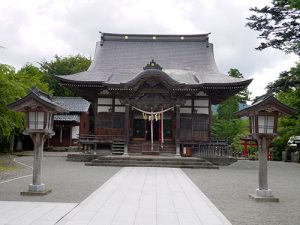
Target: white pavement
point(142, 195)
point(34, 213)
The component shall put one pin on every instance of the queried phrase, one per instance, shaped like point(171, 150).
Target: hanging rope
point(159, 115)
point(152, 113)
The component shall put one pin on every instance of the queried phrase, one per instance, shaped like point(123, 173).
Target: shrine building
point(153, 92)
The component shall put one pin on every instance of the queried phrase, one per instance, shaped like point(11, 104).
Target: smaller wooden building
point(68, 127)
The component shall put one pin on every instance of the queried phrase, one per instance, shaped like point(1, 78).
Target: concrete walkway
point(34, 213)
point(155, 196)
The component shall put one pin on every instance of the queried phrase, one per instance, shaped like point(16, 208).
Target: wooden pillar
point(126, 129)
point(70, 128)
point(95, 111)
point(37, 185)
point(177, 137)
point(209, 118)
point(263, 160)
point(152, 121)
point(263, 188)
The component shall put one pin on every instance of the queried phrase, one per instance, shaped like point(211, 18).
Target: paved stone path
point(33, 213)
point(146, 196)
point(227, 188)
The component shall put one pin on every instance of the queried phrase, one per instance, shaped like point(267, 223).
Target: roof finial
point(101, 38)
point(152, 66)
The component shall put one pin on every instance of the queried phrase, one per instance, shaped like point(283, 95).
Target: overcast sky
point(32, 30)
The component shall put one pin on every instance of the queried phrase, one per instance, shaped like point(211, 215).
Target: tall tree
point(288, 80)
point(14, 85)
point(231, 105)
point(244, 95)
point(63, 66)
point(225, 124)
point(278, 25)
point(287, 89)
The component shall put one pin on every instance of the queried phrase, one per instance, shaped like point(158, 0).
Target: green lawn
point(7, 164)
point(6, 168)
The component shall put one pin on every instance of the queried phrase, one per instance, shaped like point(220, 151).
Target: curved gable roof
point(37, 98)
point(120, 58)
point(264, 102)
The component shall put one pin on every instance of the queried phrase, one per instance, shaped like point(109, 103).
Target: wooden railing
point(210, 148)
point(89, 142)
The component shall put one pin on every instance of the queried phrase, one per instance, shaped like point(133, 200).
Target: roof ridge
point(148, 34)
point(67, 97)
point(155, 37)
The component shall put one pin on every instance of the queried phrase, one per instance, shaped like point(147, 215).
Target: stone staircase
point(117, 148)
point(140, 147)
point(152, 161)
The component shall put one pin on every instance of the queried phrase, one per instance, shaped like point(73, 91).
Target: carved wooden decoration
point(152, 66)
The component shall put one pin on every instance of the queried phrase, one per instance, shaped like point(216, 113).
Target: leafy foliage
point(288, 80)
point(244, 95)
point(243, 131)
point(287, 88)
point(15, 85)
point(63, 66)
point(227, 129)
point(279, 25)
point(225, 124)
point(227, 108)
point(231, 105)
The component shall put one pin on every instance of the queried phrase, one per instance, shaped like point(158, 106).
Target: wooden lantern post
point(39, 112)
point(263, 116)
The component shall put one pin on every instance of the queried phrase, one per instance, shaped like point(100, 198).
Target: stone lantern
point(263, 117)
point(39, 111)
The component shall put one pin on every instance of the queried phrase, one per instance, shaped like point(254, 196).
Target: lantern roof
point(266, 103)
point(37, 100)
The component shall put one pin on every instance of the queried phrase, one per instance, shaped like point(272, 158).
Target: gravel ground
point(228, 189)
point(70, 182)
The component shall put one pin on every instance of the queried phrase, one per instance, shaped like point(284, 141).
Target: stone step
point(155, 158)
point(117, 147)
point(161, 151)
point(166, 164)
point(151, 162)
point(158, 162)
point(117, 152)
point(139, 148)
point(192, 166)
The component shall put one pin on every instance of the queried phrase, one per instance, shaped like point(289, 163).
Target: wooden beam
point(177, 137)
point(126, 128)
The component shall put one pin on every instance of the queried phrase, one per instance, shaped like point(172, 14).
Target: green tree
point(63, 66)
point(278, 25)
point(287, 89)
point(227, 108)
point(225, 124)
point(226, 129)
point(15, 85)
point(231, 105)
point(288, 80)
point(244, 95)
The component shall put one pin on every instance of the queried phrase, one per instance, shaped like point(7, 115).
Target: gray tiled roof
point(72, 104)
point(267, 101)
point(187, 61)
point(41, 97)
point(69, 117)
